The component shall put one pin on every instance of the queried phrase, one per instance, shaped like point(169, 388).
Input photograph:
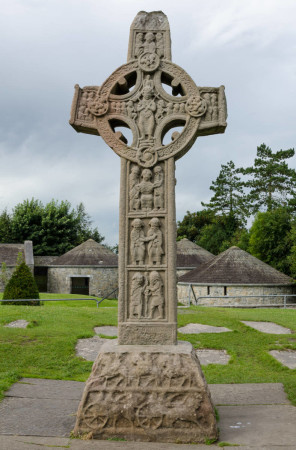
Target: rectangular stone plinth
point(147, 393)
point(145, 334)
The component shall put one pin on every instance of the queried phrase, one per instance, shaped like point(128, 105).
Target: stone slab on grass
point(254, 425)
point(17, 324)
point(286, 357)
point(207, 356)
point(106, 330)
point(37, 416)
point(249, 394)
point(267, 327)
point(33, 442)
point(196, 328)
point(90, 347)
point(42, 388)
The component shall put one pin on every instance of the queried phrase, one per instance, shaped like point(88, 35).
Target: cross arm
point(82, 119)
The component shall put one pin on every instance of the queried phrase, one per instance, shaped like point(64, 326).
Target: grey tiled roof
point(191, 255)
point(235, 266)
point(90, 253)
point(9, 253)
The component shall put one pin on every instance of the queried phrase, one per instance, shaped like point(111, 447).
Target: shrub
point(21, 285)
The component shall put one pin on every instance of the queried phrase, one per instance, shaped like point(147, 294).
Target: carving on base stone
point(137, 391)
point(147, 394)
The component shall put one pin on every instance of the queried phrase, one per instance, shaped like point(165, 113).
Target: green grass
point(46, 349)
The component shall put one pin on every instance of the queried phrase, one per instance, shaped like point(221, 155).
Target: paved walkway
point(40, 413)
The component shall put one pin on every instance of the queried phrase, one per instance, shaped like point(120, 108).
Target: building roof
point(235, 266)
point(9, 253)
point(191, 255)
point(90, 253)
point(44, 261)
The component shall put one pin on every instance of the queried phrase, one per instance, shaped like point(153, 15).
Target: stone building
point(234, 273)
point(89, 269)
point(190, 256)
point(9, 255)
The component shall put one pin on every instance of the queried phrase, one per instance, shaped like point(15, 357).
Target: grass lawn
point(46, 349)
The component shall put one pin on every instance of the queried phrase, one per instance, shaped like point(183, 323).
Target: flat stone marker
point(17, 324)
point(249, 394)
point(197, 328)
point(147, 386)
point(106, 330)
point(207, 356)
point(267, 426)
point(267, 327)
point(89, 348)
point(286, 357)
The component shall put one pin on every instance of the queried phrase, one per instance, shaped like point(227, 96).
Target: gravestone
point(146, 386)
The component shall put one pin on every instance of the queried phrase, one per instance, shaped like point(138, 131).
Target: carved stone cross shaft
point(136, 96)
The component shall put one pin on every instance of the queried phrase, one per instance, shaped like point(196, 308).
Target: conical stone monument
point(147, 386)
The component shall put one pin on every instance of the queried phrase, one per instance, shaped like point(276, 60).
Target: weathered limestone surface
point(136, 390)
point(147, 393)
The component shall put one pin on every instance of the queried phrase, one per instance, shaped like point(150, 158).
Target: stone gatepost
point(147, 386)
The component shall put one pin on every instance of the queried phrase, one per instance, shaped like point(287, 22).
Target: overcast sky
point(47, 46)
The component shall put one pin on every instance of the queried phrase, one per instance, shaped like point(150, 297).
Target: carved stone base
point(147, 393)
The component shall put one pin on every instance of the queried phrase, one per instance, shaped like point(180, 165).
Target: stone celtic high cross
point(136, 96)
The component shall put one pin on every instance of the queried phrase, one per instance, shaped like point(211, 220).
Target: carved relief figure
point(159, 188)
point(137, 295)
point(137, 245)
point(154, 239)
point(134, 192)
point(146, 109)
point(149, 44)
point(139, 44)
point(214, 104)
point(159, 44)
point(156, 300)
point(208, 115)
point(161, 109)
point(146, 188)
point(131, 110)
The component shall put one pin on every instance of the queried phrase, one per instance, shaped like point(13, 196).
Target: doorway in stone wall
point(80, 285)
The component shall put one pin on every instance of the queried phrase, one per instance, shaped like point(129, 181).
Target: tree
point(54, 228)
point(219, 235)
point(191, 225)
point(270, 238)
point(272, 183)
point(292, 255)
point(21, 286)
point(5, 227)
point(229, 195)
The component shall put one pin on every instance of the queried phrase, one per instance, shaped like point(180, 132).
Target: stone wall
point(224, 291)
point(102, 280)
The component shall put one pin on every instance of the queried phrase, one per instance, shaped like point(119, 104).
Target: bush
point(21, 285)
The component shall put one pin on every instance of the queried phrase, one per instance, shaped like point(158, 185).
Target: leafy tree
point(21, 286)
point(5, 227)
point(191, 225)
point(272, 183)
point(270, 238)
point(219, 235)
point(228, 195)
point(292, 255)
point(54, 228)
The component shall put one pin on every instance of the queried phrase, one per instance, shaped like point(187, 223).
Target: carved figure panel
point(147, 244)
point(147, 298)
point(146, 189)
